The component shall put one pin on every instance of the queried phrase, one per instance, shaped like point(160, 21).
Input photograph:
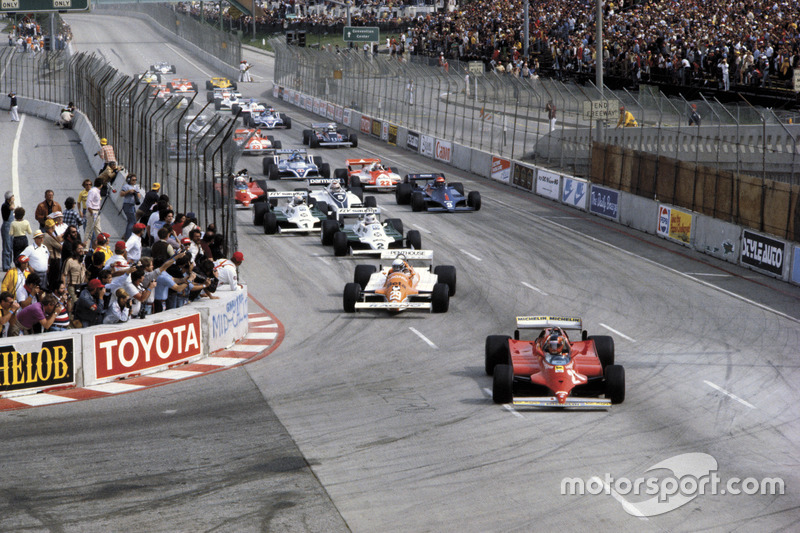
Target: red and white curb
point(264, 335)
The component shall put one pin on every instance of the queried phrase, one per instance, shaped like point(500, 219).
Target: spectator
point(103, 247)
point(132, 196)
point(74, 275)
point(165, 217)
point(550, 108)
point(38, 257)
point(45, 208)
point(189, 224)
point(194, 244)
point(58, 218)
point(165, 285)
point(162, 249)
point(70, 243)
point(82, 198)
point(13, 109)
point(67, 116)
point(94, 204)
point(39, 316)
point(53, 244)
point(148, 202)
point(8, 215)
point(71, 216)
point(20, 228)
point(626, 118)
point(15, 277)
point(8, 309)
point(30, 291)
point(120, 308)
point(94, 265)
point(106, 153)
point(694, 116)
point(63, 309)
point(90, 308)
point(227, 272)
point(134, 243)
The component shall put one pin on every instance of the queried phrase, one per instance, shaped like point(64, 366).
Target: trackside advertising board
point(134, 350)
point(413, 141)
point(763, 253)
point(366, 124)
point(548, 184)
point(501, 169)
point(444, 150)
point(674, 224)
point(28, 365)
point(604, 202)
point(575, 192)
point(426, 145)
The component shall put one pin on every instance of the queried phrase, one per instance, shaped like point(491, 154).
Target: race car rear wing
point(292, 151)
point(580, 403)
point(422, 177)
point(541, 322)
point(323, 125)
point(366, 161)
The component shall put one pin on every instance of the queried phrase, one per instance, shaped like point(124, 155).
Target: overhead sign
point(361, 34)
point(30, 6)
point(601, 110)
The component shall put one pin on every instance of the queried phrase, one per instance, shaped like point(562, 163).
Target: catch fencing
point(173, 140)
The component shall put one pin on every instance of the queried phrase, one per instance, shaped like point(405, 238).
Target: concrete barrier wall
point(699, 231)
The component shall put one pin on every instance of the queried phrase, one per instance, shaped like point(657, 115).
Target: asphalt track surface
point(375, 423)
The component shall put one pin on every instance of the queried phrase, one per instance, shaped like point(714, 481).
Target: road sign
point(30, 6)
point(601, 110)
point(362, 34)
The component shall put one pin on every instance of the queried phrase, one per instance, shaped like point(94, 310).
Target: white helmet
point(398, 265)
point(336, 186)
point(370, 219)
point(298, 199)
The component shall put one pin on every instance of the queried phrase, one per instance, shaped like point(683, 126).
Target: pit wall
point(758, 251)
point(91, 356)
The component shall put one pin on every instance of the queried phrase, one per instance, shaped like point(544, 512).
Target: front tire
point(418, 202)
point(362, 275)
point(615, 383)
point(352, 294)
point(474, 200)
point(503, 384)
point(340, 244)
point(604, 348)
point(325, 170)
point(414, 240)
point(446, 274)
point(259, 210)
point(402, 194)
point(270, 223)
point(440, 298)
point(496, 352)
point(329, 228)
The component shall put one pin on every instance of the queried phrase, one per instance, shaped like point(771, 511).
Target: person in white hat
point(38, 257)
point(58, 218)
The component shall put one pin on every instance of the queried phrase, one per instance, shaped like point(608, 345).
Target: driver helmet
point(554, 344)
point(332, 127)
point(298, 200)
point(336, 186)
point(439, 181)
point(398, 265)
point(370, 219)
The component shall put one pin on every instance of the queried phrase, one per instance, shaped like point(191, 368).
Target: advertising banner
point(548, 184)
point(315, 107)
point(575, 192)
point(674, 224)
point(346, 117)
point(385, 131)
point(275, 91)
point(35, 365)
point(444, 150)
point(501, 169)
point(392, 135)
point(331, 112)
point(227, 323)
point(377, 127)
point(795, 274)
point(309, 103)
point(763, 253)
point(412, 141)
point(426, 145)
point(523, 176)
point(338, 113)
point(296, 98)
point(132, 350)
point(366, 124)
point(604, 202)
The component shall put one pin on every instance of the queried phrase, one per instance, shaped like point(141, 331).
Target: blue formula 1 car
point(295, 165)
point(326, 134)
point(431, 192)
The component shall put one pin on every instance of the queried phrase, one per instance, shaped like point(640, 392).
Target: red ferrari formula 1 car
point(253, 143)
point(245, 189)
point(573, 373)
point(181, 85)
point(368, 174)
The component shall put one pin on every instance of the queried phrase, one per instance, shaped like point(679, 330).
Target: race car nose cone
point(561, 397)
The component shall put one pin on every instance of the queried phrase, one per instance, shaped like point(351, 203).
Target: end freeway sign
point(29, 6)
point(361, 34)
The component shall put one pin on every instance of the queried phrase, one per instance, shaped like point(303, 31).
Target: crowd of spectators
point(752, 43)
point(27, 36)
point(71, 276)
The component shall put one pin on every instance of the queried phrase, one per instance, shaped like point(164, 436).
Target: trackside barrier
point(101, 354)
point(759, 252)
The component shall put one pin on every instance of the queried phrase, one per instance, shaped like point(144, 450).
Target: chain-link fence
point(507, 115)
point(171, 140)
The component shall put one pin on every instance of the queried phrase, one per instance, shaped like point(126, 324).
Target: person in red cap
point(134, 243)
point(89, 309)
point(694, 116)
point(227, 272)
point(15, 278)
point(118, 263)
point(102, 246)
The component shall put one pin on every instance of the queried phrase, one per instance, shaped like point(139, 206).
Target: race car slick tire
point(325, 170)
point(354, 140)
point(418, 202)
point(363, 273)
point(604, 347)
point(396, 223)
point(358, 192)
point(414, 240)
point(355, 181)
point(340, 245)
point(446, 274)
point(352, 294)
point(217, 104)
point(457, 185)
point(277, 145)
point(169, 86)
point(194, 86)
point(341, 175)
point(272, 171)
point(402, 194)
point(503, 384)
point(328, 228)
point(153, 69)
point(259, 210)
point(440, 298)
point(209, 85)
point(370, 201)
point(287, 122)
point(496, 352)
point(173, 69)
point(306, 136)
point(323, 206)
point(270, 223)
point(474, 200)
point(615, 383)
point(235, 108)
point(313, 142)
point(233, 86)
point(210, 96)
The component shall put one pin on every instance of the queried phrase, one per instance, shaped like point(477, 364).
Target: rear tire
point(306, 136)
point(370, 201)
point(396, 223)
point(474, 200)
point(362, 275)
point(324, 208)
point(414, 240)
point(209, 85)
point(325, 170)
point(217, 104)
point(604, 347)
point(277, 145)
point(615, 383)
point(313, 142)
point(496, 353)
point(235, 108)
point(352, 294)
point(286, 121)
point(354, 140)
point(503, 384)
point(270, 223)
point(341, 175)
point(440, 298)
point(446, 274)
point(457, 185)
point(418, 202)
point(210, 96)
point(329, 227)
point(355, 182)
point(340, 245)
point(359, 193)
point(259, 210)
point(402, 193)
point(273, 173)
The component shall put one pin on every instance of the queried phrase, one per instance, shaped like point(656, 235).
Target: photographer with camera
point(131, 197)
point(120, 308)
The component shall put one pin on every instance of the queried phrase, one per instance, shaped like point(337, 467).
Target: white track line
point(629, 507)
point(424, 338)
point(507, 406)
point(475, 257)
point(195, 65)
point(531, 287)
point(728, 394)
point(615, 332)
point(423, 230)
